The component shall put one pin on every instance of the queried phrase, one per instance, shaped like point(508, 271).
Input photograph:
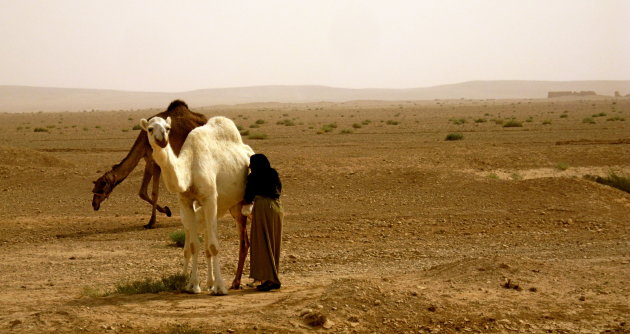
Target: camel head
point(157, 129)
point(102, 188)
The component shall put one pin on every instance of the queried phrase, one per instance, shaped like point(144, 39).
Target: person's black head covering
point(259, 162)
point(263, 180)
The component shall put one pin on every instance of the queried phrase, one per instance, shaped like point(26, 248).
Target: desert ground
point(389, 228)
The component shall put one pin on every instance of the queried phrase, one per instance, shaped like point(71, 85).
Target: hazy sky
point(185, 45)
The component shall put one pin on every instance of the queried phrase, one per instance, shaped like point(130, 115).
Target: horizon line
point(310, 85)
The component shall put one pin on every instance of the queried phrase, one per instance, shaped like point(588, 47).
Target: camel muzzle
point(96, 201)
point(161, 142)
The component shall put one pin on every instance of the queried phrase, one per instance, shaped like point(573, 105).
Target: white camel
point(209, 176)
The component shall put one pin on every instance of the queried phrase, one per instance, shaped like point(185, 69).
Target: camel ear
point(143, 124)
point(168, 120)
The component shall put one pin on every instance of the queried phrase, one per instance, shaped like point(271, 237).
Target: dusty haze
point(173, 47)
point(35, 99)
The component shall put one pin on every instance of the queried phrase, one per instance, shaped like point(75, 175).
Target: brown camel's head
point(102, 188)
point(157, 129)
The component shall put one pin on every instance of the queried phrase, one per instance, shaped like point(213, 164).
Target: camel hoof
point(236, 286)
point(149, 226)
point(167, 211)
point(218, 291)
point(196, 290)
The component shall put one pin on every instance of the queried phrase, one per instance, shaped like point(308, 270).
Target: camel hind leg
point(241, 226)
point(215, 282)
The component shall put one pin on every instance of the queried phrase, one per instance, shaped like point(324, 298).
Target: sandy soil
point(389, 227)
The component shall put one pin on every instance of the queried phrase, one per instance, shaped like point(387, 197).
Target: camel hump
point(224, 129)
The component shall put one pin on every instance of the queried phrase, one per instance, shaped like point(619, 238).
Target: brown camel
point(183, 121)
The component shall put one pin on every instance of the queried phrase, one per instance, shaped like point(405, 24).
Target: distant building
point(570, 93)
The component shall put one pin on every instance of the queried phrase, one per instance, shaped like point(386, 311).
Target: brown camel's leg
point(241, 222)
point(152, 170)
point(157, 172)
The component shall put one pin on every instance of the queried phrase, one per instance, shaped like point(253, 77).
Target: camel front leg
point(211, 241)
point(192, 244)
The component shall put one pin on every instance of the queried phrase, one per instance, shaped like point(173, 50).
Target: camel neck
point(139, 150)
point(174, 173)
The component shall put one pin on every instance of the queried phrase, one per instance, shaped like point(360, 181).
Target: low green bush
point(257, 136)
point(454, 136)
point(173, 283)
point(615, 180)
point(513, 124)
point(178, 237)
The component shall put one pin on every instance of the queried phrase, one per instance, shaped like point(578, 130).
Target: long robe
point(266, 239)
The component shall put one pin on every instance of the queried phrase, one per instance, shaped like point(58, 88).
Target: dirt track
point(389, 229)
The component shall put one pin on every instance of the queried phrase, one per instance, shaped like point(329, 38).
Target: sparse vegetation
point(183, 329)
point(454, 136)
point(136, 127)
point(178, 237)
point(40, 130)
point(616, 118)
point(470, 203)
point(92, 292)
point(601, 114)
point(458, 121)
point(546, 122)
point(328, 127)
point(173, 283)
point(346, 131)
point(564, 116)
point(481, 120)
point(588, 120)
point(513, 124)
point(562, 166)
point(260, 121)
point(392, 122)
point(257, 136)
point(614, 180)
point(286, 122)
point(357, 125)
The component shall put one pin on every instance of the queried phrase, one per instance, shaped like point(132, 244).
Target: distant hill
point(33, 99)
